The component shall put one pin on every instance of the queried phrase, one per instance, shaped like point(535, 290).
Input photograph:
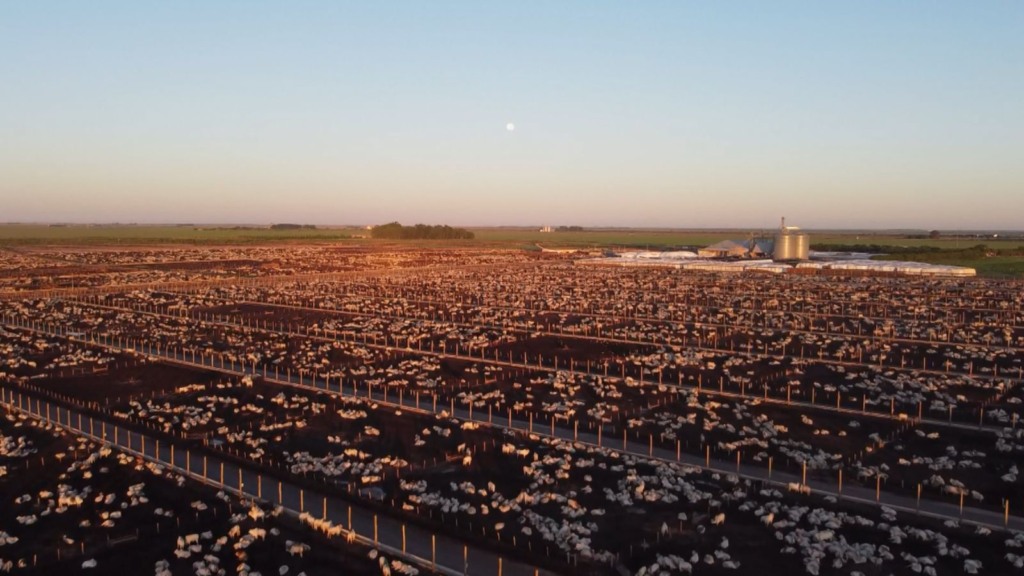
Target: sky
point(637, 114)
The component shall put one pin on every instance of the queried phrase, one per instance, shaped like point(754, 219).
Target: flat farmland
point(72, 234)
point(558, 418)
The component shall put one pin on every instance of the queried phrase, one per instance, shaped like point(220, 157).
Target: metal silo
point(791, 243)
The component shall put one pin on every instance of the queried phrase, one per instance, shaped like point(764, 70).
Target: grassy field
point(661, 239)
point(818, 241)
point(13, 234)
point(653, 239)
point(996, 267)
point(988, 266)
point(954, 250)
point(22, 234)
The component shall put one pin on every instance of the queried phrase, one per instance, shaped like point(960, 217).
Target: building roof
point(741, 247)
point(727, 246)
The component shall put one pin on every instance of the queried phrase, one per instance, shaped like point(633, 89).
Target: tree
point(395, 231)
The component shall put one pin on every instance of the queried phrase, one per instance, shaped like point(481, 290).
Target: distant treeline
point(929, 253)
point(874, 248)
point(395, 231)
point(570, 228)
point(292, 227)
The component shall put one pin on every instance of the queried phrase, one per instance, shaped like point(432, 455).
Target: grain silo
point(791, 243)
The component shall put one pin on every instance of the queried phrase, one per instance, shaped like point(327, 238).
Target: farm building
point(753, 248)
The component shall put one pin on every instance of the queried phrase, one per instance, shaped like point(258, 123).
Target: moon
point(510, 127)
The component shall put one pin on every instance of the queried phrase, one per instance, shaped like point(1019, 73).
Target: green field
point(22, 234)
point(653, 239)
point(954, 251)
point(661, 239)
point(996, 267)
point(991, 266)
point(13, 234)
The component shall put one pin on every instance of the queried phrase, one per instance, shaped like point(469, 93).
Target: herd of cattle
point(579, 419)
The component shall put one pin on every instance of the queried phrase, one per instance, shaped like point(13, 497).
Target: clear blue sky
point(683, 114)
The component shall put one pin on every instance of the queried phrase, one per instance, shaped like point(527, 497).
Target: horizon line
point(528, 226)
